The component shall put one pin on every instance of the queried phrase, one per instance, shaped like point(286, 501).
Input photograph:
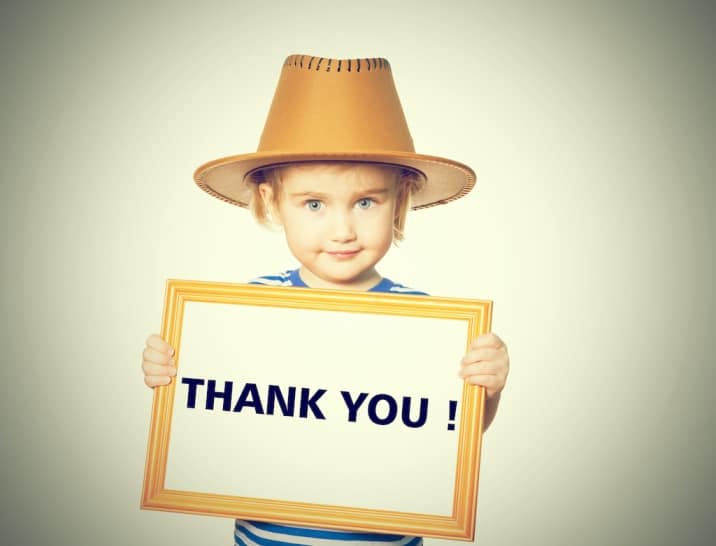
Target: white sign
point(318, 407)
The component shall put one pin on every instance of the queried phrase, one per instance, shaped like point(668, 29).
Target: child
point(336, 169)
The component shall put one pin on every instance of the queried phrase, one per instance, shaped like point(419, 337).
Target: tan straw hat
point(340, 110)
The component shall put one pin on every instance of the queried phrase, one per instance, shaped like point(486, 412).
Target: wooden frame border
point(460, 525)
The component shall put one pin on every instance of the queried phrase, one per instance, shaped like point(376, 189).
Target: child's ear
point(267, 196)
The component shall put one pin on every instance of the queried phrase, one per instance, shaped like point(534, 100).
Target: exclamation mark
point(452, 410)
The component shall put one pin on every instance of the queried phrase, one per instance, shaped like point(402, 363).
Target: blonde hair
point(407, 183)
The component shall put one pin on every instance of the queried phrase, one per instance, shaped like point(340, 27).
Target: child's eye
point(313, 204)
point(365, 203)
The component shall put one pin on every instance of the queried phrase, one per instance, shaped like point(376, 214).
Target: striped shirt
point(256, 533)
point(292, 278)
point(273, 534)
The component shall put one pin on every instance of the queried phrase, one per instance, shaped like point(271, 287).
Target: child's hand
point(158, 362)
point(486, 364)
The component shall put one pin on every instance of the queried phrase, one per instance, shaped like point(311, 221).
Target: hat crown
point(335, 105)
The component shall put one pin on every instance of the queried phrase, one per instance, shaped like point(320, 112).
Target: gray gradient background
point(591, 128)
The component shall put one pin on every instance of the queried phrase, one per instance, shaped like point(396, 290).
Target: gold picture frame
point(459, 524)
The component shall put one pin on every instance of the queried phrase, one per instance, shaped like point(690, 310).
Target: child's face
point(338, 221)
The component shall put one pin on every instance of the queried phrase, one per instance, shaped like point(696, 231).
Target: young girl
point(340, 189)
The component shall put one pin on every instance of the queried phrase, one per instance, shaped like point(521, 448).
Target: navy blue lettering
point(423, 413)
point(249, 397)
point(353, 406)
point(191, 392)
point(392, 409)
point(310, 403)
point(276, 395)
point(225, 396)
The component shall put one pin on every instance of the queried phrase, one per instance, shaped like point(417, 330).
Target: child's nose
point(343, 228)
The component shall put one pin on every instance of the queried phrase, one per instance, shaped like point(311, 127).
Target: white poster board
point(323, 408)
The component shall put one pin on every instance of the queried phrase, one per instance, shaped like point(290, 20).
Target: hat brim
point(446, 180)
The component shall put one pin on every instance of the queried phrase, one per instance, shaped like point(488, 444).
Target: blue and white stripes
point(293, 278)
point(254, 533)
point(281, 279)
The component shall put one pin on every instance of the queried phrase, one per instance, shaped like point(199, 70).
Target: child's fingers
point(487, 340)
point(480, 354)
point(481, 368)
point(479, 374)
point(156, 375)
point(486, 364)
point(157, 343)
point(492, 383)
point(161, 370)
point(156, 381)
point(157, 362)
point(158, 357)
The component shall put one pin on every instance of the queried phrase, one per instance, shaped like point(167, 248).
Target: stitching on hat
point(326, 64)
point(216, 194)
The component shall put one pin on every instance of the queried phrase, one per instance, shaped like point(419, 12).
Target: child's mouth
point(343, 254)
